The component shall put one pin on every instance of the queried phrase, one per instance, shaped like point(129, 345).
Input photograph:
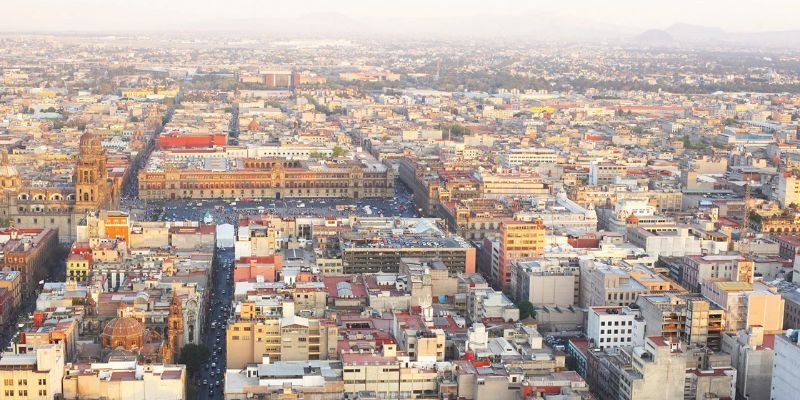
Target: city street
point(211, 383)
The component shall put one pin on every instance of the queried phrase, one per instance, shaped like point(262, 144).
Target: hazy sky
point(732, 15)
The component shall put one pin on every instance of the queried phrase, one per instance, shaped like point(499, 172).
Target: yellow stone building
point(274, 178)
point(78, 267)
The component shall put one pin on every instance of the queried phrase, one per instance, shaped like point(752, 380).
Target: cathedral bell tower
point(174, 342)
point(91, 177)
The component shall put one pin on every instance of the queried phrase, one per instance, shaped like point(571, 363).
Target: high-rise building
point(518, 241)
point(746, 304)
point(788, 189)
point(651, 372)
point(610, 327)
point(691, 319)
point(545, 282)
point(786, 366)
point(607, 285)
point(752, 354)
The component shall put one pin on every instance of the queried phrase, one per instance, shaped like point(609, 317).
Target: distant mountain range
point(688, 35)
point(530, 27)
point(526, 26)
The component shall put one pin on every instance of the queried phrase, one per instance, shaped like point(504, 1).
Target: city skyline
point(472, 200)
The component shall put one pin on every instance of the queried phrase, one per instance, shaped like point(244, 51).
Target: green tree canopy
point(526, 309)
point(194, 356)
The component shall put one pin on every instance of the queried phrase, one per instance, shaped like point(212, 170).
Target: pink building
point(257, 268)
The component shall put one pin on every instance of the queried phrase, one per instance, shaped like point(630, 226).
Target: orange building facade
point(518, 240)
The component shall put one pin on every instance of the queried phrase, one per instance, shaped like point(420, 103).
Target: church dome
point(124, 332)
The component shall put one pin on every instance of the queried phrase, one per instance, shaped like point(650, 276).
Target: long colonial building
point(268, 177)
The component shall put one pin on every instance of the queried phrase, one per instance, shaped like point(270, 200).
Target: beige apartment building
point(690, 318)
point(747, 304)
point(697, 269)
point(287, 338)
point(545, 282)
point(34, 375)
point(386, 374)
point(124, 380)
point(606, 285)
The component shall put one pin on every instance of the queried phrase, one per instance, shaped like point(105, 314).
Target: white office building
point(612, 327)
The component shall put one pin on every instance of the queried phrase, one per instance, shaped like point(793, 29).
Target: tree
point(526, 309)
point(455, 131)
point(194, 356)
point(338, 151)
